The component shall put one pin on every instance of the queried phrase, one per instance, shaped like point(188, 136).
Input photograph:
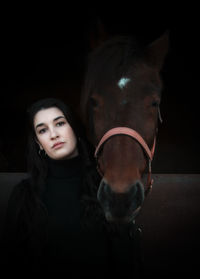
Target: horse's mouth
point(122, 219)
point(121, 207)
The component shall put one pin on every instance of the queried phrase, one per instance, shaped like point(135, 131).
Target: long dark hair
point(25, 208)
point(36, 161)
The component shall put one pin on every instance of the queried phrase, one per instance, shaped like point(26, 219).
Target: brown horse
point(120, 107)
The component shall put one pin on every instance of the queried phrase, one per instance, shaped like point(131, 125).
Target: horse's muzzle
point(121, 207)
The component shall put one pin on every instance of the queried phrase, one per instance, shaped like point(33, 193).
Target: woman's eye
point(61, 123)
point(42, 131)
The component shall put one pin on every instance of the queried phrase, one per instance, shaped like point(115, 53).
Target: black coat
point(25, 236)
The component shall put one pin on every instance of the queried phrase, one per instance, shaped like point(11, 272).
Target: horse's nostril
point(107, 189)
point(103, 192)
point(136, 194)
point(140, 192)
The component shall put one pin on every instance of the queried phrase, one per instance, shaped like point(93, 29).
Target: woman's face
point(54, 134)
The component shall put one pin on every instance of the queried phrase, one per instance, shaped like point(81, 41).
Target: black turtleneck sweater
point(68, 247)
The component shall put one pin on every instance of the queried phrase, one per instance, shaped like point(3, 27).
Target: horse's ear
point(97, 34)
point(155, 53)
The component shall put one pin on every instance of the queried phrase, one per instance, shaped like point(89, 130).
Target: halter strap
point(129, 132)
point(135, 135)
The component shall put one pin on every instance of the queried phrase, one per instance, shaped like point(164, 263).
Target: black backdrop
point(43, 54)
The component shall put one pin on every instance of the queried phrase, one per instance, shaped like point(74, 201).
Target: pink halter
point(135, 135)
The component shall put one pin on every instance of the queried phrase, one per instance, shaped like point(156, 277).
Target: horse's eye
point(94, 102)
point(155, 104)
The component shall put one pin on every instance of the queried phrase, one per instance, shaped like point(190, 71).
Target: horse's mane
point(108, 63)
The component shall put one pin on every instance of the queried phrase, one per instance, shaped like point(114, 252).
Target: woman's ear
point(41, 148)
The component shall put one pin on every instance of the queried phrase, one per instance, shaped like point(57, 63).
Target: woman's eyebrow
point(58, 118)
point(55, 119)
point(38, 125)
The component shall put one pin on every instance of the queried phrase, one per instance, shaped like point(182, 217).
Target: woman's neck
point(64, 168)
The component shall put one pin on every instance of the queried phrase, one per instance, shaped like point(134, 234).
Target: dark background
point(43, 54)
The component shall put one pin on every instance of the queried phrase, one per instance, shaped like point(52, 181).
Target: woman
point(54, 223)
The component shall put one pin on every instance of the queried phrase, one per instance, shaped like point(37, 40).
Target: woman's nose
point(53, 134)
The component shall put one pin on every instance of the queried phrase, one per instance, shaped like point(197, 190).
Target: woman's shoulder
point(19, 190)
point(22, 185)
point(15, 203)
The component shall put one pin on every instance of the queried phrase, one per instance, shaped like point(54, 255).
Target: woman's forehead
point(47, 115)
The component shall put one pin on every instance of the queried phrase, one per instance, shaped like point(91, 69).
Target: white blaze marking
point(123, 82)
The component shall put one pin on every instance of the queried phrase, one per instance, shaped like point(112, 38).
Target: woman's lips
point(58, 145)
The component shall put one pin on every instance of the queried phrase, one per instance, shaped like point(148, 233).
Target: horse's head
point(123, 89)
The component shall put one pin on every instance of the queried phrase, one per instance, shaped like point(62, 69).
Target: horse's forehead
point(141, 81)
point(144, 74)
